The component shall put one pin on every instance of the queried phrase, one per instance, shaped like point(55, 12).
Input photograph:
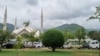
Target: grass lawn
point(47, 52)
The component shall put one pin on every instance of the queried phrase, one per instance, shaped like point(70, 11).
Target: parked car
point(75, 45)
point(35, 44)
point(28, 44)
point(94, 44)
point(11, 44)
point(85, 45)
point(67, 46)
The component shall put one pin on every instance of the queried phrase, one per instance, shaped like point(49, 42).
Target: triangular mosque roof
point(28, 29)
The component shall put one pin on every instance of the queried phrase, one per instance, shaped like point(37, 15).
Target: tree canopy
point(53, 38)
point(80, 34)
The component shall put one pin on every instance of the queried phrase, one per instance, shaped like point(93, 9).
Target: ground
point(47, 52)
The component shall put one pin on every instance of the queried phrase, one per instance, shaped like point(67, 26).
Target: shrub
point(53, 38)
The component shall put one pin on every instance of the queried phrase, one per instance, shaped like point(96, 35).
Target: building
point(26, 30)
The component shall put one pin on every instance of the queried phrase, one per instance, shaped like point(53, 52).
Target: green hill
point(10, 27)
point(69, 27)
point(72, 28)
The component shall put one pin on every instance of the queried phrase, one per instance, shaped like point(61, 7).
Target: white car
point(67, 46)
point(28, 44)
point(94, 44)
point(37, 44)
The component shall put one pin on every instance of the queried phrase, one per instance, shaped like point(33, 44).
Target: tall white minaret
point(41, 20)
point(15, 27)
point(5, 20)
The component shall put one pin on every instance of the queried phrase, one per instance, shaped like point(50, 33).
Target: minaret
point(41, 20)
point(5, 20)
point(15, 27)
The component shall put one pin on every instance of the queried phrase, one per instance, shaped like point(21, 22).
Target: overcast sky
point(56, 12)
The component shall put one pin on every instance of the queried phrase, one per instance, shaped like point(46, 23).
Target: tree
point(3, 37)
point(93, 34)
point(53, 38)
point(80, 34)
point(18, 44)
point(96, 14)
point(68, 35)
point(30, 37)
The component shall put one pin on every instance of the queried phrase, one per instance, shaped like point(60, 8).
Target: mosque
point(25, 29)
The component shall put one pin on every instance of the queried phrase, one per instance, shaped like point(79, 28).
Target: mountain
point(10, 27)
point(72, 28)
point(69, 27)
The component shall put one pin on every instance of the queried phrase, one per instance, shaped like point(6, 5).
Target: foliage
point(93, 34)
point(12, 36)
point(18, 44)
point(68, 35)
point(30, 37)
point(69, 27)
point(53, 38)
point(98, 38)
point(25, 35)
point(4, 37)
point(96, 14)
point(80, 34)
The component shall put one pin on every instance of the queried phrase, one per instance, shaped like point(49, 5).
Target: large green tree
point(96, 16)
point(53, 38)
point(80, 34)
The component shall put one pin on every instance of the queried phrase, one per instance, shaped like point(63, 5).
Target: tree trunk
point(17, 53)
point(32, 45)
point(79, 41)
point(0, 48)
point(53, 49)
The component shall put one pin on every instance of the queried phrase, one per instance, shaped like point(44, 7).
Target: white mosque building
point(24, 29)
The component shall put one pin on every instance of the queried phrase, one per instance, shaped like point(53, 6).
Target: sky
point(56, 12)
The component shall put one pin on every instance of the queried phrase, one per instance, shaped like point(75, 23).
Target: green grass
point(47, 52)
